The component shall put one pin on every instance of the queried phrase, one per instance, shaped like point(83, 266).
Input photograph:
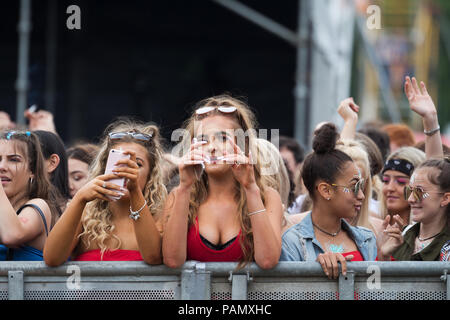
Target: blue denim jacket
point(300, 244)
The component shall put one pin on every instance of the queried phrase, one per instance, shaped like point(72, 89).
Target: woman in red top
point(221, 211)
point(106, 222)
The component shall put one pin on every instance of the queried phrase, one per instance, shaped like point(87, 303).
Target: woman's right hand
point(390, 238)
point(190, 165)
point(100, 188)
point(348, 110)
point(330, 263)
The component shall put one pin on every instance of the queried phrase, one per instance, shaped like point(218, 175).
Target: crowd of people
point(359, 195)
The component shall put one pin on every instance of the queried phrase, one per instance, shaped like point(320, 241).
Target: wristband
point(432, 132)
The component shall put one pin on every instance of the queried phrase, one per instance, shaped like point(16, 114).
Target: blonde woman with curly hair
point(222, 210)
point(107, 222)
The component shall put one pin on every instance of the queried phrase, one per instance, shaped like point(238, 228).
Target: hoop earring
point(31, 180)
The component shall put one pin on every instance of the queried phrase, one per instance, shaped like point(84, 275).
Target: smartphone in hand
point(113, 157)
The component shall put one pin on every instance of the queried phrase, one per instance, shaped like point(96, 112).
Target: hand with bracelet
point(130, 171)
point(421, 103)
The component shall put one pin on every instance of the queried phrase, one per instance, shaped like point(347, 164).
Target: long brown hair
point(247, 122)
point(40, 187)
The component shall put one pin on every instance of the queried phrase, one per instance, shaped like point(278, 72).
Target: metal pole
point(52, 36)
point(260, 20)
point(301, 90)
point(24, 28)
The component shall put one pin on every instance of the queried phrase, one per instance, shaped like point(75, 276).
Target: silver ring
point(104, 184)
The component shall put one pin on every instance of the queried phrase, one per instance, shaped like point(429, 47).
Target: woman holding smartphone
point(224, 212)
point(105, 221)
point(28, 202)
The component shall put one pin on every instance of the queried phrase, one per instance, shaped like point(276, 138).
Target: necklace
point(421, 240)
point(326, 232)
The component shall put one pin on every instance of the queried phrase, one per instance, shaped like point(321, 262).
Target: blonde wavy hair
point(245, 118)
point(357, 152)
point(97, 218)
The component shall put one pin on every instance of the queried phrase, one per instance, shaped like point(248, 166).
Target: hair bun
point(325, 138)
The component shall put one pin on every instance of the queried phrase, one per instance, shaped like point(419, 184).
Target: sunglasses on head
point(135, 135)
point(355, 188)
point(10, 134)
point(205, 110)
point(419, 193)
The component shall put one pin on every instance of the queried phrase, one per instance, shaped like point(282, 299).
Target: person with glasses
point(105, 221)
point(28, 201)
point(401, 163)
point(335, 185)
point(428, 194)
point(222, 210)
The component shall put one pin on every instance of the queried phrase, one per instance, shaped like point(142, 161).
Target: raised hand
point(40, 120)
point(348, 109)
point(241, 165)
point(421, 103)
point(190, 165)
point(419, 100)
point(130, 171)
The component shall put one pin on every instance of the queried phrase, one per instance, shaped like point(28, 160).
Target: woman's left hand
point(241, 165)
point(129, 171)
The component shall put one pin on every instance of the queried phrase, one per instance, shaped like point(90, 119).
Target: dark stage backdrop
point(153, 60)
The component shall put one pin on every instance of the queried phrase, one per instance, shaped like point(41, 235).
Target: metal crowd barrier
point(397, 280)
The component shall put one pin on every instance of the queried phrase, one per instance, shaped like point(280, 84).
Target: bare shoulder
point(41, 203)
point(271, 193)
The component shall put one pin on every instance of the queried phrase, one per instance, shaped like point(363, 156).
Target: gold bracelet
point(255, 212)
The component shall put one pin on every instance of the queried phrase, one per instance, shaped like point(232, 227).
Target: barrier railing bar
point(289, 269)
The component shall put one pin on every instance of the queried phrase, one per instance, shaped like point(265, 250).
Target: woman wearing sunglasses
point(401, 164)
point(428, 194)
point(222, 210)
point(28, 202)
point(335, 186)
point(105, 221)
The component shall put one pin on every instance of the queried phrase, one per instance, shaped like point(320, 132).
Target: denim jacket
point(300, 244)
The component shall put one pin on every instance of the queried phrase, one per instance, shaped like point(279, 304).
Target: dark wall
point(153, 60)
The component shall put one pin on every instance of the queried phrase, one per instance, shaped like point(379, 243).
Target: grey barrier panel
point(196, 283)
point(347, 286)
point(239, 286)
point(15, 285)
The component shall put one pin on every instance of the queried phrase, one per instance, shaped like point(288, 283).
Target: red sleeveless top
point(356, 255)
point(199, 251)
point(114, 255)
